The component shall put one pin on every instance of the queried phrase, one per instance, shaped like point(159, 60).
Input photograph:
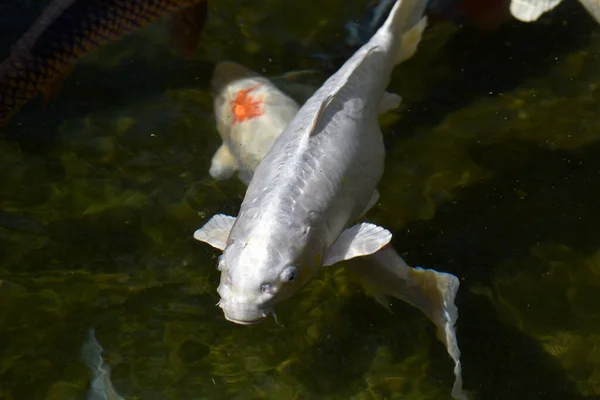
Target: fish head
point(255, 277)
point(228, 72)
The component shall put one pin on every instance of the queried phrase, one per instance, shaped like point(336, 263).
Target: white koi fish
point(320, 175)
point(381, 274)
point(101, 387)
point(249, 104)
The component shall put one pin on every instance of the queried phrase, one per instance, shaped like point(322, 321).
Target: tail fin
point(406, 24)
point(434, 294)
point(385, 274)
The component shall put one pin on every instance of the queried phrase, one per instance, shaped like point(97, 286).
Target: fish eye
point(289, 274)
point(266, 288)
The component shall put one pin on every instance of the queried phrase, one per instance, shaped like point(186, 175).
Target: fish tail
point(435, 297)
point(405, 25)
point(65, 32)
point(385, 274)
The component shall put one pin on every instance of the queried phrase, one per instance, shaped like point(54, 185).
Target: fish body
point(67, 30)
point(382, 274)
point(319, 176)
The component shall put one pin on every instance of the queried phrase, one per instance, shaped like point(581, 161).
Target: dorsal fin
point(312, 128)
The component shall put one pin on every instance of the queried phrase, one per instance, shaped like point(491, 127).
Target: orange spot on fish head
point(246, 106)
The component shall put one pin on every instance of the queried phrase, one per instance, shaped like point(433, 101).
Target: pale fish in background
point(101, 387)
point(251, 112)
point(381, 274)
point(531, 10)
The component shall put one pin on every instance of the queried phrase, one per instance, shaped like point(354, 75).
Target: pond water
point(492, 174)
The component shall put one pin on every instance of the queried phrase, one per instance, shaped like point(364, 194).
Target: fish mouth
point(244, 315)
point(243, 322)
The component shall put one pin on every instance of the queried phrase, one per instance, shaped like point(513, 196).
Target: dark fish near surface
point(67, 30)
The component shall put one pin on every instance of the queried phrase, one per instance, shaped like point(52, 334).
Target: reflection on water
point(491, 175)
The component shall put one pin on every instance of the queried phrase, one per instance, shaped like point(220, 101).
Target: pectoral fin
point(358, 240)
point(223, 164)
point(385, 273)
point(216, 231)
point(318, 115)
point(389, 102)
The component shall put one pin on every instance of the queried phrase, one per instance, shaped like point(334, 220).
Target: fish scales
point(320, 142)
point(82, 27)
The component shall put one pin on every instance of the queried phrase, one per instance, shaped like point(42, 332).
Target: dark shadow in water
point(346, 349)
point(487, 63)
point(91, 89)
point(534, 196)
point(503, 362)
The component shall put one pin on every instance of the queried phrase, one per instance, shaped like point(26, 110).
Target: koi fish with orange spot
point(250, 112)
point(67, 30)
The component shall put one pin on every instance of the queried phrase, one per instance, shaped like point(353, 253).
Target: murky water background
point(492, 174)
